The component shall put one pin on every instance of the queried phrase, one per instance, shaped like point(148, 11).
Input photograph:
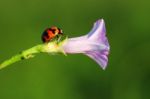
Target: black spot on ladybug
point(44, 35)
point(53, 30)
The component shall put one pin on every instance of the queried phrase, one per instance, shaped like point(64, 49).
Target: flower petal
point(100, 57)
point(98, 32)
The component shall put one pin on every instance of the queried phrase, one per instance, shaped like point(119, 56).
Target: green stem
point(51, 47)
point(11, 61)
point(23, 55)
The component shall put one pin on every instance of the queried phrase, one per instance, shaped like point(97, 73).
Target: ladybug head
point(56, 30)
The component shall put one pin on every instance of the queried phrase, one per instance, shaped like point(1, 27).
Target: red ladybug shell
point(50, 33)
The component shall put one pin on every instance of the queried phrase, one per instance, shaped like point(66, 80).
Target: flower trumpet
point(94, 44)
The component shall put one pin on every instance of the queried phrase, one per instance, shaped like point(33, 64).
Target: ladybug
point(51, 33)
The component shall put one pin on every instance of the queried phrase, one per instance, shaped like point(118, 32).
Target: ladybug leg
point(58, 38)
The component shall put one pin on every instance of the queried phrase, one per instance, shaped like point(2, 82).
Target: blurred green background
point(76, 76)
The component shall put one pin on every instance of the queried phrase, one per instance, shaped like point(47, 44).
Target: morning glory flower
point(94, 44)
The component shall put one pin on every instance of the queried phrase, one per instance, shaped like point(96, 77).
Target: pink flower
point(94, 44)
